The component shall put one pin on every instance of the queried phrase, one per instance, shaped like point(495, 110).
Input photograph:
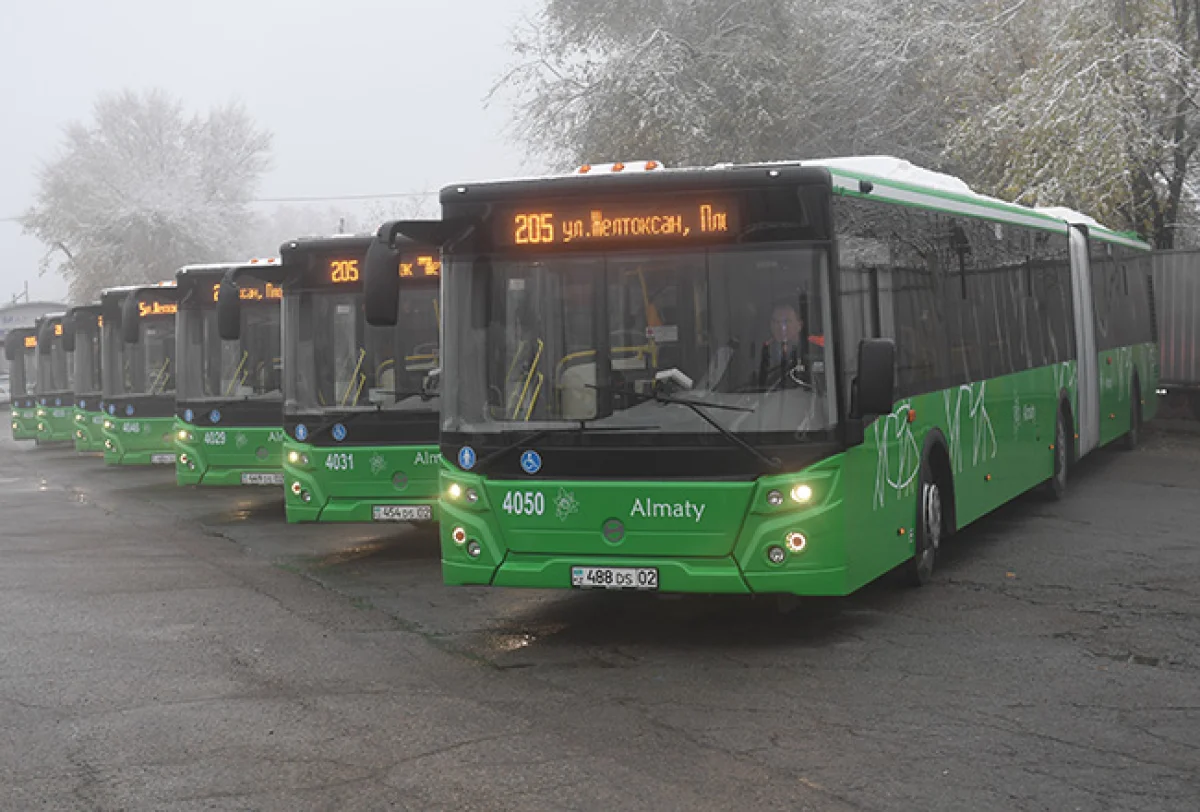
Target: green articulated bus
point(360, 416)
point(138, 346)
point(779, 378)
point(229, 403)
point(20, 350)
point(81, 338)
point(52, 388)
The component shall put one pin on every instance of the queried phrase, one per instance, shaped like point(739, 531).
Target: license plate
point(645, 578)
point(97, 421)
point(59, 413)
point(402, 513)
point(262, 479)
point(162, 459)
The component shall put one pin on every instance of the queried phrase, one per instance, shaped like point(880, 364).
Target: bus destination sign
point(572, 223)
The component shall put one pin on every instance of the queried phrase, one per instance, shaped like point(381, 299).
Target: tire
point(929, 530)
point(1134, 435)
point(1057, 486)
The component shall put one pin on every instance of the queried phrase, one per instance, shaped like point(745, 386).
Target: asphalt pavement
point(165, 648)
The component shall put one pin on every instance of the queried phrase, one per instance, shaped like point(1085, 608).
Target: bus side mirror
point(381, 280)
point(874, 389)
point(129, 320)
point(10, 346)
point(876, 376)
point(68, 336)
point(229, 310)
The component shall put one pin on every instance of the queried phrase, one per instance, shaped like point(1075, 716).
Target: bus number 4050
point(524, 503)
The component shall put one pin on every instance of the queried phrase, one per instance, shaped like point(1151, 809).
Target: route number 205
point(524, 503)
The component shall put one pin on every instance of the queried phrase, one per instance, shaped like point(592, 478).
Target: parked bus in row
point(20, 350)
point(138, 345)
point(229, 403)
point(768, 378)
point(81, 339)
point(52, 386)
point(359, 414)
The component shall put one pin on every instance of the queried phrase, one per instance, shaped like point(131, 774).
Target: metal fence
point(1177, 304)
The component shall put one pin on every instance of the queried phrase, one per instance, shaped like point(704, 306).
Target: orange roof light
point(583, 170)
point(618, 166)
point(651, 165)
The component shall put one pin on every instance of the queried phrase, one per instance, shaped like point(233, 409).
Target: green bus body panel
point(995, 435)
point(56, 424)
point(136, 441)
point(1119, 368)
point(221, 455)
point(89, 431)
point(24, 424)
point(346, 483)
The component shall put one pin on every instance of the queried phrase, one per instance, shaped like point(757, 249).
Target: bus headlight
point(801, 494)
point(454, 491)
point(776, 554)
point(78, 418)
point(774, 498)
point(472, 495)
point(184, 435)
point(297, 458)
point(474, 549)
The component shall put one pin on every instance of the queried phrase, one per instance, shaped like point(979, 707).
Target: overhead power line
point(305, 199)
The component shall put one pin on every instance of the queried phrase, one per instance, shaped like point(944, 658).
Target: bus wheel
point(1062, 459)
point(928, 533)
point(1133, 436)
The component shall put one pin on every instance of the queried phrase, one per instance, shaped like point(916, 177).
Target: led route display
point(585, 222)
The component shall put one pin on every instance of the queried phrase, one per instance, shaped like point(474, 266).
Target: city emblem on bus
point(565, 504)
point(466, 458)
point(301, 432)
point(214, 416)
point(531, 462)
point(339, 432)
point(188, 415)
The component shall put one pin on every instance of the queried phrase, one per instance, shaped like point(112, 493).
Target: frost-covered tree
point(1105, 121)
point(143, 188)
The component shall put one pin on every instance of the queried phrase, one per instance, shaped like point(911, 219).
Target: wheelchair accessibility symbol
point(531, 462)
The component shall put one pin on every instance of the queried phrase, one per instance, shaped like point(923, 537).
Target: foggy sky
point(363, 96)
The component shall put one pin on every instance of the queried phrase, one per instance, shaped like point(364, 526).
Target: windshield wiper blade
point(584, 426)
point(699, 406)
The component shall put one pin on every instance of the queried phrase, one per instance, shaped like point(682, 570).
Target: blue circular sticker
point(466, 458)
point(214, 416)
point(129, 410)
point(531, 462)
point(301, 432)
point(83, 404)
point(58, 401)
point(43, 401)
point(339, 432)
point(112, 408)
point(188, 415)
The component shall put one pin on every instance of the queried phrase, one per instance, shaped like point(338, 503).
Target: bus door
point(1088, 381)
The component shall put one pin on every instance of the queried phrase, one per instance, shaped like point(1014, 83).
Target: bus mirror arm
point(129, 319)
point(229, 309)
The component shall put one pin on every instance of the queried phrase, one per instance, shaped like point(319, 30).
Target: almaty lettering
point(649, 509)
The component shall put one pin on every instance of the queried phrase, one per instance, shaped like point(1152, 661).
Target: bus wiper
point(699, 406)
point(584, 426)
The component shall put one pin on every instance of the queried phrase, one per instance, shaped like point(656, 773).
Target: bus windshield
point(214, 369)
point(336, 362)
point(53, 369)
point(19, 373)
point(144, 368)
point(86, 360)
point(557, 339)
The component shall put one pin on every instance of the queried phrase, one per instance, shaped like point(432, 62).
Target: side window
point(1052, 286)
